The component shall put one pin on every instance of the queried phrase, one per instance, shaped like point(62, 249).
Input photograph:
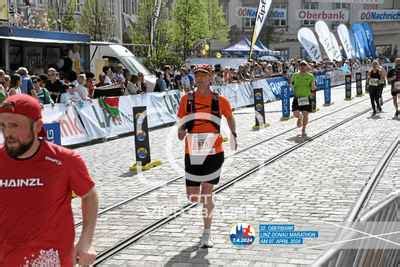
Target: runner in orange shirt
point(200, 116)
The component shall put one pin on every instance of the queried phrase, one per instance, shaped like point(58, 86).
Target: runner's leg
point(208, 208)
point(305, 122)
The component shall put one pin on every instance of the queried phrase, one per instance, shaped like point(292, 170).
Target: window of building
point(279, 22)
point(310, 5)
point(248, 23)
point(341, 6)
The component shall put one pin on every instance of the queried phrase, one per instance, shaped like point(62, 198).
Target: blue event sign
point(53, 132)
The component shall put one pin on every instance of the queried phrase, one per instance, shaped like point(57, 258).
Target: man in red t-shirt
point(36, 182)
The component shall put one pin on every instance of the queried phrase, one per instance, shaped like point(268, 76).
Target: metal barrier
point(364, 242)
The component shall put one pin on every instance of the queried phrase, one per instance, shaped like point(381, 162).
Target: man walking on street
point(303, 85)
point(393, 77)
point(37, 179)
point(200, 116)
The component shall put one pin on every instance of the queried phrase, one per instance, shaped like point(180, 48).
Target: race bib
point(397, 86)
point(303, 101)
point(373, 82)
point(202, 144)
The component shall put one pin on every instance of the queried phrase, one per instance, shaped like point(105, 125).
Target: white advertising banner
point(310, 43)
point(326, 15)
point(72, 130)
point(325, 39)
point(338, 54)
point(344, 37)
point(379, 15)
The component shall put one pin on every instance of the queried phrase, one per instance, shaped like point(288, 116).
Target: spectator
point(90, 83)
point(132, 87)
point(38, 90)
point(227, 75)
point(109, 75)
point(15, 84)
point(102, 80)
point(26, 82)
point(82, 89)
point(3, 93)
point(2, 75)
point(168, 76)
point(54, 85)
point(186, 81)
point(7, 80)
point(119, 74)
point(72, 96)
point(161, 85)
point(141, 83)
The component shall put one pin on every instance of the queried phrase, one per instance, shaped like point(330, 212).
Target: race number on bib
point(303, 101)
point(373, 82)
point(202, 144)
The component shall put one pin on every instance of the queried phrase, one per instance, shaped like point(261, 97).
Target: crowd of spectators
point(71, 88)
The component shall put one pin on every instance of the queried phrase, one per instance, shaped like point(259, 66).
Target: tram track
point(138, 235)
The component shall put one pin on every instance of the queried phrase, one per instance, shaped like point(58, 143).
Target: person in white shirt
point(72, 96)
point(82, 90)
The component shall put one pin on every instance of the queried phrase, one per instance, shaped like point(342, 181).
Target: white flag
point(344, 37)
point(262, 12)
point(337, 53)
point(310, 43)
point(325, 38)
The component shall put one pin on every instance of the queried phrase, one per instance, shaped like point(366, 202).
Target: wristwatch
point(234, 134)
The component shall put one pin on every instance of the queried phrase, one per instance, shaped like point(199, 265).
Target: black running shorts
point(296, 107)
point(212, 164)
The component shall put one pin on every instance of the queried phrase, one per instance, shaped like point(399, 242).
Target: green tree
point(52, 19)
point(189, 24)
point(68, 21)
point(217, 24)
point(95, 21)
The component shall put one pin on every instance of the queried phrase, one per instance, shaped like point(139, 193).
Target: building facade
point(286, 17)
point(35, 13)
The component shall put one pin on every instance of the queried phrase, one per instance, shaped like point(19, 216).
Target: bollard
point(53, 132)
point(285, 97)
point(259, 109)
point(142, 142)
point(327, 92)
point(348, 87)
point(359, 84)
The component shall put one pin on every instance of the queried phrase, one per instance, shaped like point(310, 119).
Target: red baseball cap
point(22, 104)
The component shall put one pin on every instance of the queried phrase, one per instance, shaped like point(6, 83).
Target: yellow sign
point(3, 10)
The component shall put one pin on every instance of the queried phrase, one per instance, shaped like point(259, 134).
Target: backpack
point(191, 109)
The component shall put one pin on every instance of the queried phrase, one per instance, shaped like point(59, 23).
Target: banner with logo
point(3, 10)
point(341, 15)
point(142, 142)
point(337, 53)
point(370, 38)
point(72, 130)
point(251, 12)
point(378, 15)
point(325, 39)
point(262, 12)
point(358, 34)
point(310, 43)
point(344, 37)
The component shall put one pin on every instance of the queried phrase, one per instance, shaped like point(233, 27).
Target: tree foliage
point(95, 21)
point(68, 21)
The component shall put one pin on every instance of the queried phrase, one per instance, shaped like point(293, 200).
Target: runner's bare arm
point(232, 127)
point(84, 252)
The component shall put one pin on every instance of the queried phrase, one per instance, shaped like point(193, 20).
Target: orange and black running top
point(203, 104)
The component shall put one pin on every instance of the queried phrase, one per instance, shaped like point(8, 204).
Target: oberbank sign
point(379, 15)
point(326, 15)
